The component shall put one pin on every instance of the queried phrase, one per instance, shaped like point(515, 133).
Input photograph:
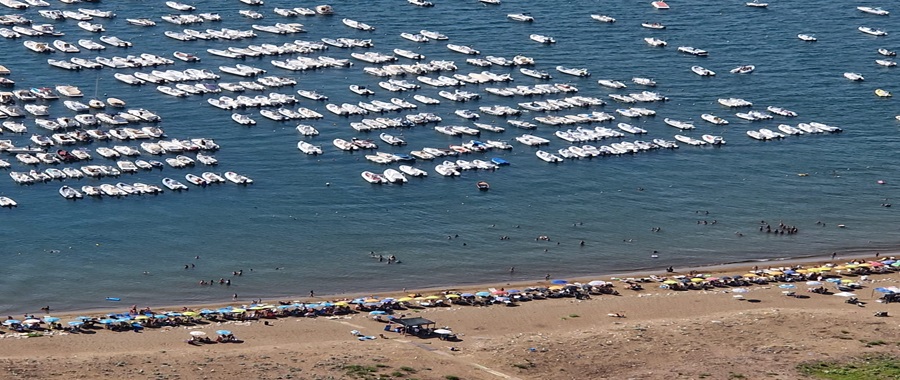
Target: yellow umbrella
point(750, 275)
point(802, 271)
point(432, 298)
point(371, 300)
point(776, 273)
point(840, 267)
point(342, 303)
point(404, 299)
point(556, 287)
point(697, 279)
point(238, 310)
point(824, 269)
point(187, 313)
point(257, 308)
point(452, 296)
point(846, 281)
point(141, 317)
point(670, 282)
point(864, 265)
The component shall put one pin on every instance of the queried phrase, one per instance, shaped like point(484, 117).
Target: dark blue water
point(297, 234)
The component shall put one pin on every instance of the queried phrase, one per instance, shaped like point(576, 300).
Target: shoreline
point(721, 268)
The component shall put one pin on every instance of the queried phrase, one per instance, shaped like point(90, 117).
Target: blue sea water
point(310, 223)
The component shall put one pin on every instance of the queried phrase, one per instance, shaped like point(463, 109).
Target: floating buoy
point(841, 226)
point(881, 182)
point(803, 174)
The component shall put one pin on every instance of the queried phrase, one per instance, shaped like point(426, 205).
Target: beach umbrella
point(358, 301)
point(452, 296)
point(896, 264)
point(207, 311)
point(237, 310)
point(884, 290)
point(31, 321)
point(11, 322)
point(367, 300)
point(191, 313)
point(50, 319)
point(514, 291)
point(833, 280)
point(864, 265)
point(888, 262)
point(787, 286)
point(389, 299)
point(750, 275)
point(433, 297)
point(845, 294)
point(327, 304)
point(83, 318)
point(740, 290)
point(775, 273)
point(697, 279)
point(405, 299)
point(555, 287)
point(224, 310)
point(377, 312)
point(502, 299)
point(467, 295)
point(483, 294)
point(813, 283)
point(443, 331)
point(876, 264)
point(257, 308)
point(712, 279)
point(197, 333)
point(282, 307)
point(559, 282)
point(141, 317)
point(670, 282)
point(597, 283)
point(500, 292)
point(160, 316)
point(802, 271)
point(123, 320)
point(846, 281)
point(223, 332)
point(173, 314)
point(342, 303)
point(75, 323)
point(107, 321)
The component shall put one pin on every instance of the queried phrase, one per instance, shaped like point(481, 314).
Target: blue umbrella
point(388, 300)
point(377, 312)
point(171, 314)
point(51, 319)
point(107, 321)
point(75, 323)
point(282, 307)
point(502, 299)
point(83, 318)
point(327, 304)
point(11, 321)
point(160, 316)
point(787, 286)
point(884, 290)
point(224, 310)
point(207, 311)
point(511, 291)
point(559, 282)
point(467, 295)
point(223, 332)
point(483, 294)
point(123, 320)
point(358, 300)
point(888, 262)
point(834, 280)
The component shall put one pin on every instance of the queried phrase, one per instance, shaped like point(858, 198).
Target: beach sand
point(663, 335)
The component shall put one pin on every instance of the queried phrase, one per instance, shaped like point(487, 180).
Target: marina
point(249, 84)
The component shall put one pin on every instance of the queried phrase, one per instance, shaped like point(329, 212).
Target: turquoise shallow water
point(297, 234)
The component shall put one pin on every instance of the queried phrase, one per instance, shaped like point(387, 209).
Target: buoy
point(841, 226)
point(881, 182)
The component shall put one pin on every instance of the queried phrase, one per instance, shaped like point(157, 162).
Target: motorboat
point(421, 3)
point(361, 90)
point(603, 18)
point(90, 44)
point(523, 17)
point(872, 31)
point(886, 52)
point(781, 111)
point(701, 71)
point(324, 10)
point(653, 25)
point(187, 57)
point(882, 93)
point(807, 37)
point(140, 21)
point(734, 102)
point(115, 41)
point(659, 4)
point(391, 139)
point(463, 49)
point(789, 130)
point(483, 185)
point(856, 77)
point(542, 39)
point(756, 4)
point(173, 185)
point(689, 140)
point(180, 6)
point(611, 83)
point(683, 125)
point(93, 28)
point(38, 47)
point(693, 51)
point(548, 157)
point(713, 119)
point(656, 42)
point(885, 62)
point(392, 175)
point(242, 119)
point(433, 35)
point(373, 178)
point(873, 10)
point(238, 178)
point(535, 73)
point(308, 148)
point(713, 139)
point(65, 47)
point(357, 25)
point(643, 81)
point(578, 72)
point(743, 69)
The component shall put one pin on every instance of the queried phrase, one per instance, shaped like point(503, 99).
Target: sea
point(311, 223)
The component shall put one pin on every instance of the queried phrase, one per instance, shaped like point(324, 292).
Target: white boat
point(885, 62)
point(7, 202)
point(542, 39)
point(357, 25)
point(548, 157)
point(361, 90)
point(757, 4)
point(789, 130)
point(603, 18)
point(659, 4)
point(713, 140)
point(421, 3)
point(238, 178)
point(412, 171)
point(173, 185)
point(523, 17)
point(683, 125)
point(743, 69)
point(689, 140)
point(781, 111)
point(873, 10)
point(463, 49)
point(713, 119)
point(701, 71)
point(93, 28)
point(886, 52)
point(373, 178)
point(242, 119)
point(644, 81)
point(872, 31)
point(65, 47)
point(394, 176)
point(433, 35)
point(535, 73)
point(856, 77)
point(38, 47)
point(693, 51)
point(179, 6)
point(115, 41)
point(655, 42)
point(578, 72)
point(187, 57)
point(653, 25)
point(734, 102)
point(90, 44)
point(308, 148)
point(807, 38)
point(391, 139)
point(611, 83)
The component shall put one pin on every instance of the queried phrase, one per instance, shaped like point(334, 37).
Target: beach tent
point(409, 323)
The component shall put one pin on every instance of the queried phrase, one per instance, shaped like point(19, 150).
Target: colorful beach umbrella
point(141, 317)
point(787, 286)
point(197, 333)
point(75, 323)
point(556, 287)
point(670, 282)
point(341, 303)
point(813, 283)
point(433, 297)
point(107, 321)
point(697, 279)
point(50, 319)
point(467, 295)
point(377, 312)
point(559, 282)
point(238, 310)
point(404, 299)
point(483, 294)
point(190, 313)
point(223, 332)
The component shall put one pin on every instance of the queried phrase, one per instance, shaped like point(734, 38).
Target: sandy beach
point(661, 334)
